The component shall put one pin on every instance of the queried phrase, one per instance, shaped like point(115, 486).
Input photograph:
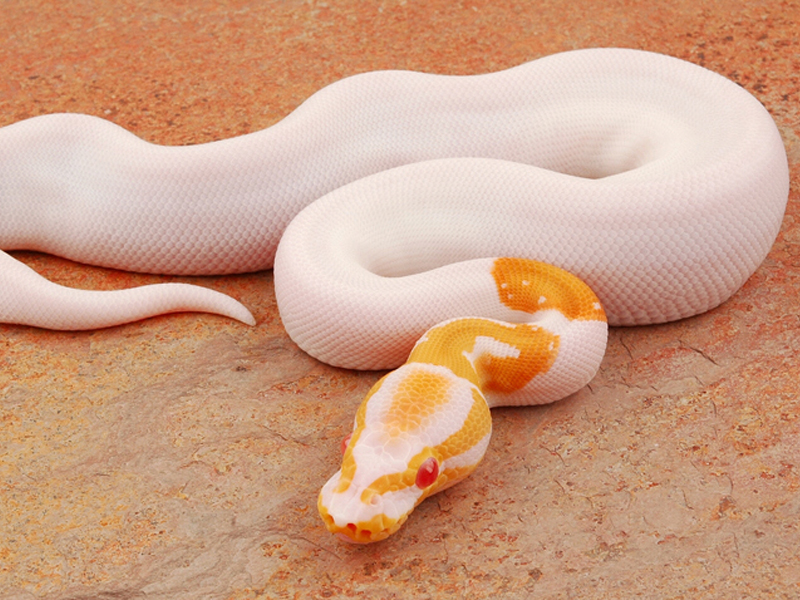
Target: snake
point(475, 233)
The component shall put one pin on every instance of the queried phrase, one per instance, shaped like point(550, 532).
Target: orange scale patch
point(417, 398)
point(477, 425)
point(537, 349)
point(530, 286)
point(450, 345)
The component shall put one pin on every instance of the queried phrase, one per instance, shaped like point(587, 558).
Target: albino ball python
point(660, 184)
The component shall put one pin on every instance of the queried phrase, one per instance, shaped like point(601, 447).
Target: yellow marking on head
point(418, 397)
point(415, 400)
point(529, 286)
point(477, 424)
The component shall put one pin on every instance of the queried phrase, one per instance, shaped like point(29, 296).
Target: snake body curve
point(660, 184)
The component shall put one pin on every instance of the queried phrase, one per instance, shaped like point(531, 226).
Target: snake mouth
point(376, 529)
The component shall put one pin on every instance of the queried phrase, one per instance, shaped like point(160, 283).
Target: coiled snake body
point(658, 183)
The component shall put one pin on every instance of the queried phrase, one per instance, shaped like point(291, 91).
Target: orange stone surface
point(181, 457)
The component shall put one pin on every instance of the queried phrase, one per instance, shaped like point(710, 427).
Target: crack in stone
point(700, 352)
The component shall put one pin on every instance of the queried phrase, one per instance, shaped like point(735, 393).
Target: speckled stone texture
point(180, 458)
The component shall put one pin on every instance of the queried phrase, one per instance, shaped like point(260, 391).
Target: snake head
point(419, 430)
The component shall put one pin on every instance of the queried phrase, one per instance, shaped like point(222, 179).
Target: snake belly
point(660, 184)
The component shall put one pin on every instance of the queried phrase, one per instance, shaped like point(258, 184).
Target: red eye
point(346, 441)
point(428, 473)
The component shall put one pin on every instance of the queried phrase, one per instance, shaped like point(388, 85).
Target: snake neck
point(498, 358)
point(502, 358)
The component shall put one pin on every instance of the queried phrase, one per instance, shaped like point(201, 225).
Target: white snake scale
point(660, 184)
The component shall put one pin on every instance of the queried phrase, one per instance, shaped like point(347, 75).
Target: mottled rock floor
point(180, 458)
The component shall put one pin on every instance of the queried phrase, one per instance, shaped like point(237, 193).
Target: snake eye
point(346, 441)
point(428, 473)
